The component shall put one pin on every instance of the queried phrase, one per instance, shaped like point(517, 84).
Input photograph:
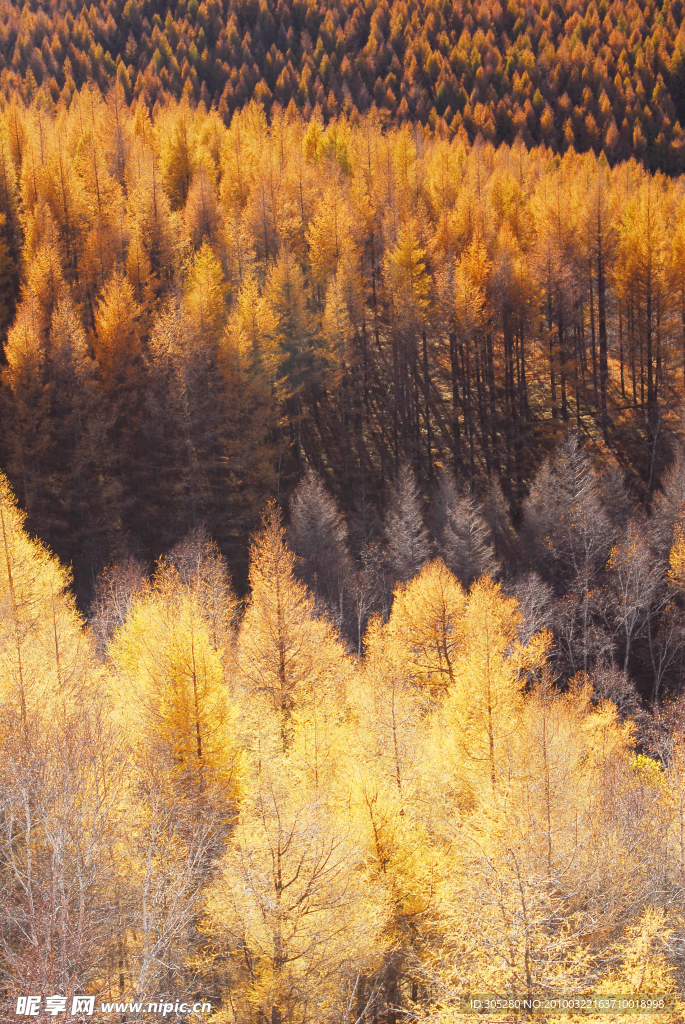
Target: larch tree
point(104, 240)
point(292, 923)
point(409, 286)
point(667, 506)
point(300, 358)
point(151, 225)
point(60, 776)
point(388, 750)
point(643, 254)
point(201, 215)
point(463, 536)
point(522, 856)
point(178, 157)
point(117, 341)
point(407, 536)
point(566, 525)
point(423, 631)
point(600, 238)
point(202, 568)
point(177, 723)
point(186, 395)
point(636, 576)
point(318, 536)
point(52, 383)
point(116, 590)
point(294, 917)
point(287, 656)
point(205, 295)
point(171, 693)
point(491, 672)
point(248, 362)
point(330, 235)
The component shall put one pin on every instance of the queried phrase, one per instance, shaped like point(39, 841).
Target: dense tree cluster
point(195, 313)
point(356, 411)
point(586, 563)
point(227, 801)
point(595, 76)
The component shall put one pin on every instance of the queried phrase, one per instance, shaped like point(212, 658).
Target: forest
point(195, 313)
point(593, 76)
point(342, 549)
point(201, 795)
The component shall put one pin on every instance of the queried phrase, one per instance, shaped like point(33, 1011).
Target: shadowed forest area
point(195, 313)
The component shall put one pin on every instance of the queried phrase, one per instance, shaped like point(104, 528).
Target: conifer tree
point(201, 213)
point(188, 392)
point(202, 568)
point(294, 918)
point(491, 674)
point(407, 537)
point(117, 341)
point(248, 363)
point(116, 590)
point(171, 691)
point(464, 540)
point(204, 298)
point(637, 576)
point(318, 536)
point(299, 357)
point(177, 725)
point(178, 156)
point(565, 521)
point(286, 655)
point(60, 775)
point(51, 376)
point(424, 628)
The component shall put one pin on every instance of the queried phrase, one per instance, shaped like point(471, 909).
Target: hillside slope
point(595, 76)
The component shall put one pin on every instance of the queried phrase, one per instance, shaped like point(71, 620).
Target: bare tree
point(370, 592)
point(116, 589)
point(497, 514)
point(536, 604)
point(464, 539)
point(569, 535)
point(667, 503)
point(635, 576)
point(407, 536)
point(610, 683)
point(318, 536)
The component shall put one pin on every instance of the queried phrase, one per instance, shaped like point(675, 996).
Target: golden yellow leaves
point(645, 971)
point(290, 819)
point(406, 268)
point(46, 660)
point(424, 632)
point(117, 340)
point(169, 692)
point(205, 294)
point(287, 656)
point(676, 558)
point(330, 236)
